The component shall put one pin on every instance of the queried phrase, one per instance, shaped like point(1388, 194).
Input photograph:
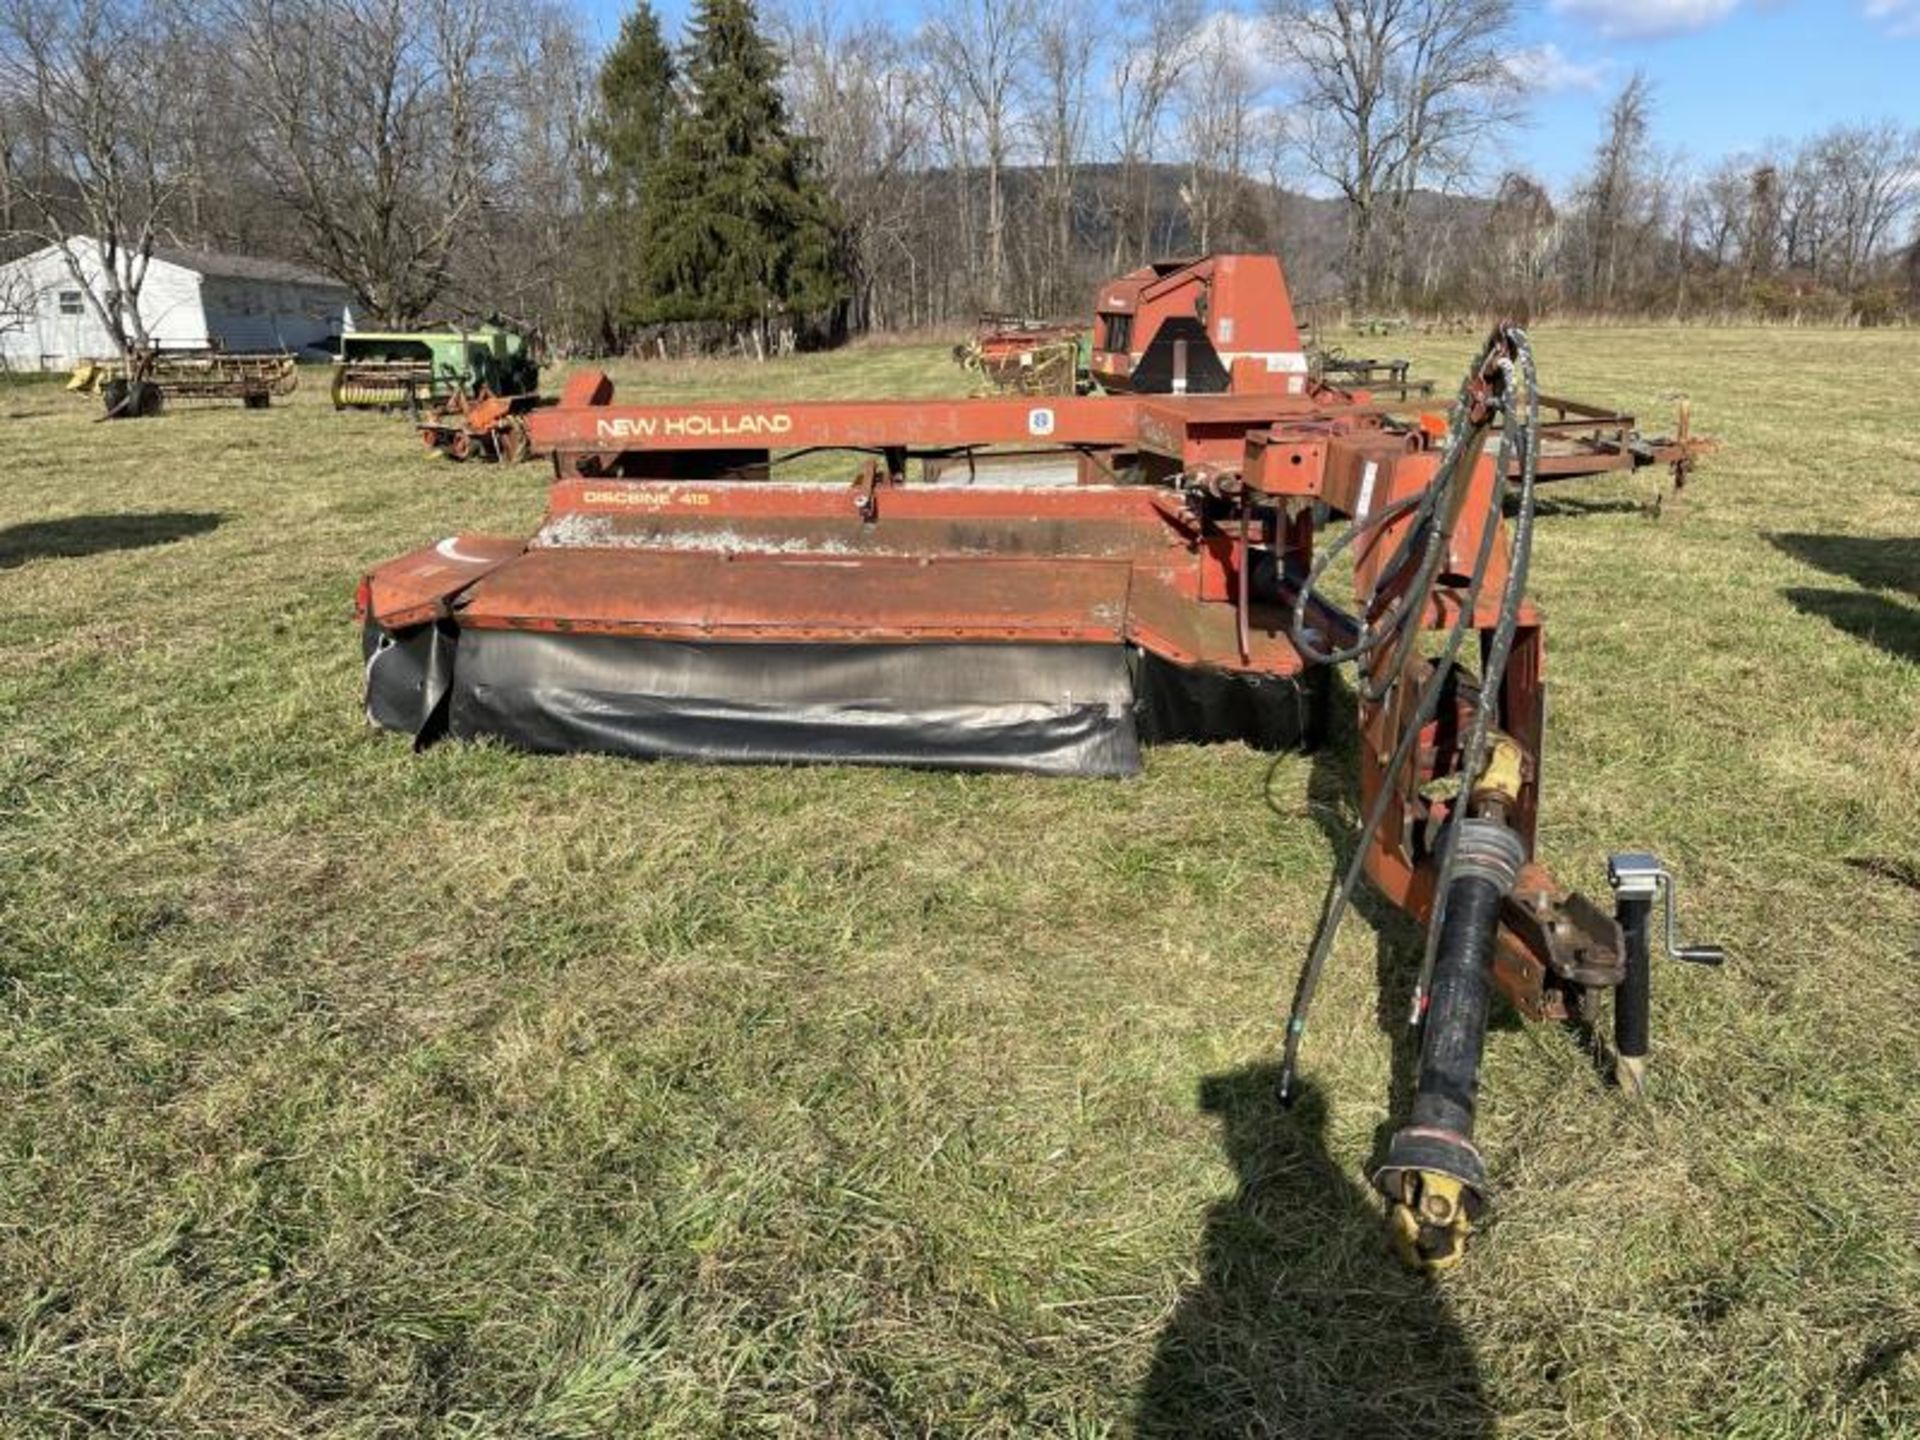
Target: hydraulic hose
point(1425, 543)
point(1522, 417)
point(1433, 1175)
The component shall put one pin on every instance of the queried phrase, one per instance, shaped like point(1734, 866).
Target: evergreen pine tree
point(636, 109)
point(629, 136)
point(739, 230)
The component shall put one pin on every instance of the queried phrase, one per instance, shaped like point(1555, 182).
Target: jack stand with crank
point(1636, 879)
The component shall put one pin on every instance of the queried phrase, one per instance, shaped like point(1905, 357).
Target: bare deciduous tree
point(1721, 209)
point(1217, 129)
point(1066, 43)
point(1616, 187)
point(374, 119)
point(853, 94)
point(1869, 178)
point(1391, 92)
point(98, 158)
point(1525, 235)
point(978, 45)
point(1761, 241)
point(523, 258)
point(1155, 51)
point(1456, 84)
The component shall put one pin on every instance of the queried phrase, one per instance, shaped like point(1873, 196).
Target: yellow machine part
point(377, 385)
point(1504, 773)
point(1429, 1224)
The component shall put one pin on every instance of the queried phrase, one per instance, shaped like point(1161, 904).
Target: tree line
point(779, 178)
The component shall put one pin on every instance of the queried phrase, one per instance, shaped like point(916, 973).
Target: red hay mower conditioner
point(1046, 585)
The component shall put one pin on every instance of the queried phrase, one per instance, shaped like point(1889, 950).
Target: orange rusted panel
point(806, 500)
point(419, 586)
point(485, 414)
point(587, 387)
point(1187, 631)
point(685, 595)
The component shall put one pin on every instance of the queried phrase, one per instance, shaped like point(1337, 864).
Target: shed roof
point(245, 267)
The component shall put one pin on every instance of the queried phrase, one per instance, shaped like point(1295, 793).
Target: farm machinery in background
point(1046, 584)
point(1224, 324)
point(467, 390)
point(152, 377)
point(481, 426)
point(1012, 356)
point(390, 370)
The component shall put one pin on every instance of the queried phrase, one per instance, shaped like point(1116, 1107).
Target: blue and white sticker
point(1040, 420)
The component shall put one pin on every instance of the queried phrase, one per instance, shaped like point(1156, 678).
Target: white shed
point(190, 300)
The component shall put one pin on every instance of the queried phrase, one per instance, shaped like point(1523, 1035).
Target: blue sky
point(1729, 74)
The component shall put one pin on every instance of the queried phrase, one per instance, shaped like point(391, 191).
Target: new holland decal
point(696, 425)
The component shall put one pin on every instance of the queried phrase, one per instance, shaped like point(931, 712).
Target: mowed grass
point(353, 1091)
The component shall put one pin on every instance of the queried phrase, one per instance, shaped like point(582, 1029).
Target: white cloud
point(1901, 17)
point(1547, 69)
point(1251, 40)
point(1643, 19)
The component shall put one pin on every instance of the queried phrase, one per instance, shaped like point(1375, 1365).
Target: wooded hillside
point(772, 178)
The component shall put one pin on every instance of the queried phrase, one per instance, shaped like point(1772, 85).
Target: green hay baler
point(387, 369)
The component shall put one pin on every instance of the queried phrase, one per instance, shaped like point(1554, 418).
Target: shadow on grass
point(1303, 1324)
point(1571, 507)
point(1893, 627)
point(1878, 564)
point(75, 536)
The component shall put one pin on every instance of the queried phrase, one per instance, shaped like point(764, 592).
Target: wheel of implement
point(429, 437)
point(460, 445)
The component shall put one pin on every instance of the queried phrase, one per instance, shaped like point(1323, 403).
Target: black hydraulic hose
point(1463, 446)
point(1368, 639)
point(1340, 895)
point(1426, 536)
point(1525, 434)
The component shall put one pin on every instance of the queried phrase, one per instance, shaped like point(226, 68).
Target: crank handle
point(1701, 954)
point(1637, 876)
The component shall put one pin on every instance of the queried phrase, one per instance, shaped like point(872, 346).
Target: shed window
point(70, 303)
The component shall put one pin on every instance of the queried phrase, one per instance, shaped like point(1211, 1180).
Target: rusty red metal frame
point(1188, 528)
point(1239, 307)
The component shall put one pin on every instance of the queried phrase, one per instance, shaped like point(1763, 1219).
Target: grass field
point(359, 1092)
